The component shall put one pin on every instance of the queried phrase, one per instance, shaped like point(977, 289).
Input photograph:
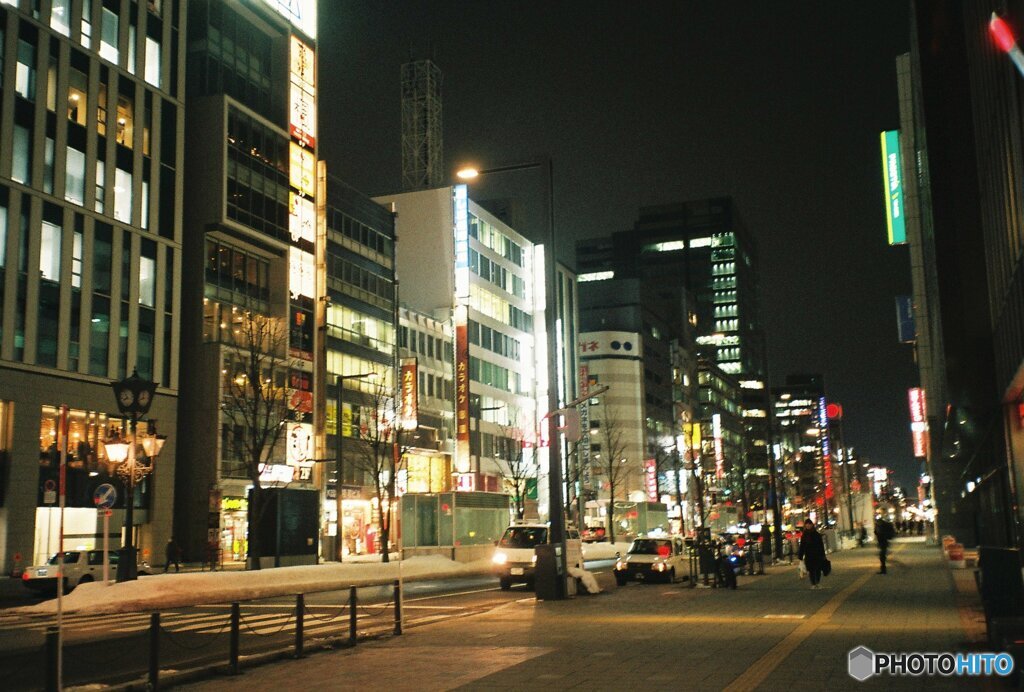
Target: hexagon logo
point(861, 663)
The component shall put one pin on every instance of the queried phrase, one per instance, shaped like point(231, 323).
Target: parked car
point(594, 534)
point(515, 558)
point(652, 558)
point(80, 567)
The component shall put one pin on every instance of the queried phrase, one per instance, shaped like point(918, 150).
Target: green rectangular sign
point(892, 173)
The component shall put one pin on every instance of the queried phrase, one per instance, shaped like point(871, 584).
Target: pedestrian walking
point(173, 555)
point(862, 535)
point(884, 533)
point(812, 552)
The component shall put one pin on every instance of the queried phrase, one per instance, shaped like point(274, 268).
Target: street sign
point(104, 496)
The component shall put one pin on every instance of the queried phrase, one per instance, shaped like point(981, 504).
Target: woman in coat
point(812, 552)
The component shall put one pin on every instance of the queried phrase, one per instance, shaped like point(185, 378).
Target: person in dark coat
point(173, 555)
point(884, 532)
point(812, 552)
point(767, 549)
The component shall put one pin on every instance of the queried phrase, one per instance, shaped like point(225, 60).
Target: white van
point(515, 558)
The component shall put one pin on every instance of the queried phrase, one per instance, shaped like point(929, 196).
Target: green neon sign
point(895, 217)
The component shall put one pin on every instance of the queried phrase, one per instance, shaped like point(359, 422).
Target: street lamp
point(134, 396)
point(339, 542)
point(551, 307)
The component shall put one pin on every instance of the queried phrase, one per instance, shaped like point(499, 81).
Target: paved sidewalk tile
point(773, 633)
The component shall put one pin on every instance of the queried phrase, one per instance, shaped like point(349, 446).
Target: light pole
point(339, 466)
point(134, 397)
point(555, 509)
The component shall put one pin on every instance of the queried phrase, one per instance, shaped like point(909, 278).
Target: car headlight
point(620, 565)
point(659, 566)
point(499, 558)
point(534, 560)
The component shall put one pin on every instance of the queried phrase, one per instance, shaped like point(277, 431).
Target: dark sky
point(777, 104)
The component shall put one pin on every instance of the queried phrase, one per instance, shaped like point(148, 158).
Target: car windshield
point(69, 558)
point(650, 546)
point(524, 537)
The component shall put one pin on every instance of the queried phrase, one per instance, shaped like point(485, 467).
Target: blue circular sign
point(104, 496)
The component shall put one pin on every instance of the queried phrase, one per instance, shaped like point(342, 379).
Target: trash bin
point(547, 574)
point(1001, 585)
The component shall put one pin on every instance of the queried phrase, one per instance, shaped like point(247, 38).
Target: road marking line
point(783, 617)
point(446, 595)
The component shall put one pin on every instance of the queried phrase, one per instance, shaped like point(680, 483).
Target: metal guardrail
point(234, 625)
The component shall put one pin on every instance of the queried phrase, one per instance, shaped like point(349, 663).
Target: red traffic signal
point(834, 411)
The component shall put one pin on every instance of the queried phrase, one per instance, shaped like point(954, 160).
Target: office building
point(91, 108)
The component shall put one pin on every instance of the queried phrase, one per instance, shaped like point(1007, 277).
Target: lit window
point(22, 158)
point(108, 36)
point(60, 16)
point(122, 195)
point(49, 251)
point(125, 121)
point(153, 62)
point(74, 180)
point(25, 71)
point(147, 281)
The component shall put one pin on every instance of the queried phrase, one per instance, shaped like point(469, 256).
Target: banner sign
point(651, 479)
point(584, 449)
point(918, 421)
point(905, 325)
point(410, 394)
point(462, 464)
point(893, 176)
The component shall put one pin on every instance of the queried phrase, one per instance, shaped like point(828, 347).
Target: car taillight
point(24, 576)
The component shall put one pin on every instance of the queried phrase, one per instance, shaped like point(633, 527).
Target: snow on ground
point(163, 591)
point(603, 551)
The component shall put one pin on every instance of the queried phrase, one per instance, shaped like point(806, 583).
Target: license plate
point(40, 572)
point(518, 571)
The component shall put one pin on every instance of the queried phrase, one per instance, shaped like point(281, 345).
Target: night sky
point(776, 104)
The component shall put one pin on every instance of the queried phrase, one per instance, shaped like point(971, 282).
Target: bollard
point(154, 650)
point(300, 606)
point(233, 645)
point(51, 659)
point(352, 615)
point(398, 607)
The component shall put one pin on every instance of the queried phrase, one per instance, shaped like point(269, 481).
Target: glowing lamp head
point(1002, 34)
point(467, 173)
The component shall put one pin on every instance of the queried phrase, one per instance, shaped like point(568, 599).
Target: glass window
point(101, 182)
point(131, 48)
point(60, 16)
point(122, 195)
point(147, 281)
point(76, 259)
point(21, 162)
point(101, 105)
point(99, 335)
point(74, 180)
point(125, 120)
point(78, 89)
point(25, 72)
point(145, 205)
point(153, 62)
point(48, 166)
point(49, 251)
point(86, 38)
point(108, 38)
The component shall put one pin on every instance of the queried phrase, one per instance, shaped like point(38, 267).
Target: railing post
point(51, 659)
point(352, 605)
point(154, 650)
point(398, 607)
point(233, 646)
point(300, 606)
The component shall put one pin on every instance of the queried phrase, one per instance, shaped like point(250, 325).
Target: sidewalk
point(772, 633)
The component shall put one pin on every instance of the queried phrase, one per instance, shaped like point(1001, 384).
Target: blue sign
point(905, 319)
point(104, 496)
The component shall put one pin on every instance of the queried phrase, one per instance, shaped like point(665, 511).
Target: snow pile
point(603, 551)
point(163, 591)
point(586, 578)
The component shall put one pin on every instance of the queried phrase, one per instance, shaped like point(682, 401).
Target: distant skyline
point(778, 106)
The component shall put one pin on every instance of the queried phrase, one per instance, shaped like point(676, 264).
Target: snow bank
point(163, 591)
point(586, 578)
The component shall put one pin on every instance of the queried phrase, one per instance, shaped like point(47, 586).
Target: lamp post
point(134, 397)
point(551, 306)
point(339, 539)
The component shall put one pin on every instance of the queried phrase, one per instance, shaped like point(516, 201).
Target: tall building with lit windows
point(703, 246)
point(462, 266)
point(91, 169)
point(255, 243)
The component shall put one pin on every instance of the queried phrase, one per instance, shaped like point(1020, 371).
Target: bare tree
point(613, 458)
point(256, 402)
point(512, 465)
point(380, 453)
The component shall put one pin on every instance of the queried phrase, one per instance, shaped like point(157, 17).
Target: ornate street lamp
point(134, 396)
